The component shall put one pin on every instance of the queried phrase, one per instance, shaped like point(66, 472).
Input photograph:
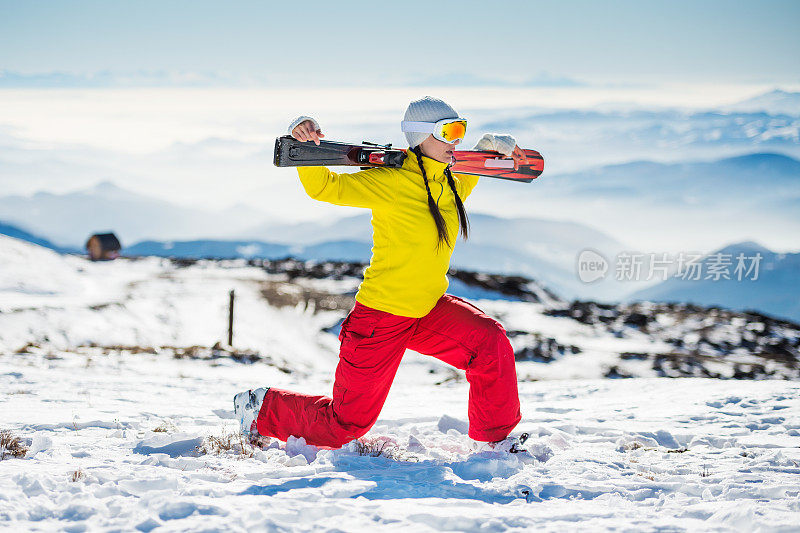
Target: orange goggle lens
point(453, 131)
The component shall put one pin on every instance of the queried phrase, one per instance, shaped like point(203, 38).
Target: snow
point(127, 430)
point(657, 453)
point(146, 303)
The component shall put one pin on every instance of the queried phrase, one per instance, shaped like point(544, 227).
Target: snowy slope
point(67, 301)
point(677, 455)
point(288, 311)
point(108, 377)
point(19, 233)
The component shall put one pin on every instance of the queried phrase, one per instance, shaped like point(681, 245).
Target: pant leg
point(373, 343)
point(461, 335)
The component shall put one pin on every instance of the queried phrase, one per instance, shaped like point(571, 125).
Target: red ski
point(494, 165)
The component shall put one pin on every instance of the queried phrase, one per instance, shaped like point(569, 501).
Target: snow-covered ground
point(66, 301)
point(129, 427)
point(641, 454)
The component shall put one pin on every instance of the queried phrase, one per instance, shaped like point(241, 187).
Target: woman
point(417, 211)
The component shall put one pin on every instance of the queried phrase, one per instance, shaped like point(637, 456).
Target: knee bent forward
point(494, 332)
point(493, 344)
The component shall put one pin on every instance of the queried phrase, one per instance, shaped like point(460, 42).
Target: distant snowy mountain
point(341, 250)
point(764, 181)
point(355, 228)
point(612, 134)
point(776, 291)
point(69, 218)
point(540, 248)
point(198, 249)
point(774, 102)
point(692, 205)
point(358, 251)
point(549, 257)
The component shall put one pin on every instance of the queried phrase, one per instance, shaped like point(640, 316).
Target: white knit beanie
point(427, 109)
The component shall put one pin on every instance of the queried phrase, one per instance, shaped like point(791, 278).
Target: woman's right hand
point(308, 131)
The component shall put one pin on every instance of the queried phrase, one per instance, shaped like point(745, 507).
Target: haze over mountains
point(691, 205)
point(671, 205)
point(775, 291)
point(537, 248)
point(68, 219)
point(547, 255)
point(677, 206)
point(677, 179)
point(774, 102)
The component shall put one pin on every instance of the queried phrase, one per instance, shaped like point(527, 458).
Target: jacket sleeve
point(464, 184)
point(373, 188)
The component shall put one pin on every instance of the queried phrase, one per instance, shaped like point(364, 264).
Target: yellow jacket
point(407, 273)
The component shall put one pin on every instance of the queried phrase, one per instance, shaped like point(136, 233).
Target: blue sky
point(324, 42)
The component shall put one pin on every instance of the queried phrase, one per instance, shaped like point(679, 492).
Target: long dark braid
point(441, 226)
point(462, 213)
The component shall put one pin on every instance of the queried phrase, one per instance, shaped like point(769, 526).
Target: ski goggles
point(449, 130)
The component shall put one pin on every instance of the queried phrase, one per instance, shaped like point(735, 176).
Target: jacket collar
point(434, 169)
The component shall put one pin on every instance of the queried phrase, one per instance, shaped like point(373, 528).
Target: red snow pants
point(373, 343)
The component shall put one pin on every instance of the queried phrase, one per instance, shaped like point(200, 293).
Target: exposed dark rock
point(627, 356)
point(540, 349)
point(615, 373)
point(705, 341)
point(638, 320)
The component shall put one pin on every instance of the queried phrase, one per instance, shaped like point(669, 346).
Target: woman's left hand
point(519, 156)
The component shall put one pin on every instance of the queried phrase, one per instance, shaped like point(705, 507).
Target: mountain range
point(747, 196)
point(776, 101)
point(538, 248)
point(676, 206)
point(68, 219)
point(773, 288)
point(767, 181)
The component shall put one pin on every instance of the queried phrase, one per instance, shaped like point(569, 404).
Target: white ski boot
point(508, 445)
point(246, 406)
point(517, 446)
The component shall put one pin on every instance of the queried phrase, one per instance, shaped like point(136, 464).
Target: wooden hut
point(103, 247)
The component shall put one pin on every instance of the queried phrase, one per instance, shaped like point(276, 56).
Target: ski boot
point(246, 406)
point(508, 445)
point(516, 445)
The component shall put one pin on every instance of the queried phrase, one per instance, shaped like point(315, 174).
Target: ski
point(494, 165)
point(289, 152)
